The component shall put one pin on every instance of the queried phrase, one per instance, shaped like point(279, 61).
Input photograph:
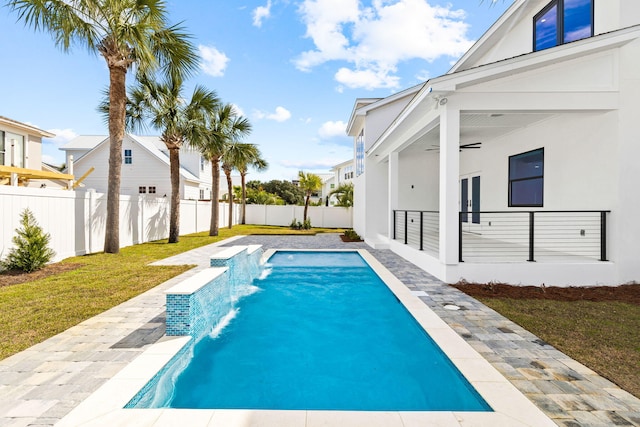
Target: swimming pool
point(320, 331)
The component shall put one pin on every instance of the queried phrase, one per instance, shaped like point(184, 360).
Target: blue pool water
point(319, 331)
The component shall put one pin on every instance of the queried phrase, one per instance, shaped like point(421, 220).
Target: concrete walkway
point(43, 383)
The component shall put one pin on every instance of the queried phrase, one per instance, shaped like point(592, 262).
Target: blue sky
point(294, 68)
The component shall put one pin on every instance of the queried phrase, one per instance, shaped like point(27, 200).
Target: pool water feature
point(321, 332)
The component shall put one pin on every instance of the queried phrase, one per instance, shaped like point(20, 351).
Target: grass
point(33, 311)
point(605, 336)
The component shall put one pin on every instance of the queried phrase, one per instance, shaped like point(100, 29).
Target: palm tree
point(124, 33)
point(224, 127)
point(344, 192)
point(310, 183)
point(180, 121)
point(246, 156)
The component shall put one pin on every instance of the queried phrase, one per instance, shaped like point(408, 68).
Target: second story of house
point(190, 160)
point(21, 144)
point(145, 166)
point(534, 25)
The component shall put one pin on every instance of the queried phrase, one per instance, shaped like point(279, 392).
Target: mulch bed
point(14, 277)
point(347, 240)
point(629, 293)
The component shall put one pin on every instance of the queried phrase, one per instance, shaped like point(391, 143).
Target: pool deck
point(42, 384)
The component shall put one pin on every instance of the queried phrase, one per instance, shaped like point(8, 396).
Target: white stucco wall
point(379, 119)
point(418, 180)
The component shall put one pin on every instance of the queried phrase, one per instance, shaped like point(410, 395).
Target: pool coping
point(105, 407)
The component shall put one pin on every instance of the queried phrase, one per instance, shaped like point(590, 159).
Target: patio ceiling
point(481, 127)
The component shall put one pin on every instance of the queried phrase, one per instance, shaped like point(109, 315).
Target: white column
point(394, 191)
point(449, 175)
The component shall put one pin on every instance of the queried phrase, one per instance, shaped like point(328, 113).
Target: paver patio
point(43, 383)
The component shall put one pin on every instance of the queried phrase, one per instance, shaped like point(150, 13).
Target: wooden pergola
point(10, 175)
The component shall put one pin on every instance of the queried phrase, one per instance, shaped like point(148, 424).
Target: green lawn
point(34, 311)
point(605, 336)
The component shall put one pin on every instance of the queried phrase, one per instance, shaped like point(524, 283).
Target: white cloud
point(375, 39)
point(280, 115)
point(260, 13)
point(332, 129)
point(367, 79)
point(62, 136)
point(213, 62)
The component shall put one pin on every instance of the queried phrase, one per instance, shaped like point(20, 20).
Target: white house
point(343, 173)
point(145, 167)
point(21, 157)
point(520, 164)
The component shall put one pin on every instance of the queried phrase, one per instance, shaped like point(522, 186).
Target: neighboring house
point(145, 166)
point(520, 164)
point(343, 173)
point(21, 157)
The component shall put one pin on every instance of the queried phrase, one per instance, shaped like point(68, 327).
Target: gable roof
point(363, 105)
point(23, 126)
point(447, 84)
point(151, 144)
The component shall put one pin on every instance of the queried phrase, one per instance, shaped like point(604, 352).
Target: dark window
point(526, 178)
point(142, 190)
point(562, 21)
point(128, 157)
point(152, 190)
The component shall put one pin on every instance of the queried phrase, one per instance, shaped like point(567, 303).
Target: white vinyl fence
point(320, 216)
point(75, 219)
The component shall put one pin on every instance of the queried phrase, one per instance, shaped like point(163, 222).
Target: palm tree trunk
point(306, 207)
point(117, 111)
point(174, 216)
point(230, 190)
point(215, 205)
point(244, 197)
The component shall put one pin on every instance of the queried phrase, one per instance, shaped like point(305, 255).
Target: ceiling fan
point(471, 145)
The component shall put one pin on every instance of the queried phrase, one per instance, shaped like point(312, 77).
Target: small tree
point(31, 250)
point(309, 183)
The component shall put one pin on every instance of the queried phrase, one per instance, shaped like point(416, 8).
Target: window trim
point(559, 22)
point(510, 181)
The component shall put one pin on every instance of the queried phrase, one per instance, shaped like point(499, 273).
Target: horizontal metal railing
point(494, 236)
point(418, 228)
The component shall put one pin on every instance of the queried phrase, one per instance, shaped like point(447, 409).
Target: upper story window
point(562, 21)
point(526, 178)
point(128, 157)
point(360, 154)
point(203, 163)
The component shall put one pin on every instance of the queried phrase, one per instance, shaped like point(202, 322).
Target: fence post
point(460, 237)
point(531, 236)
point(421, 226)
point(603, 236)
point(394, 223)
point(406, 226)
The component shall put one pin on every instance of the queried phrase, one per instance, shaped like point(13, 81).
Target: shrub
point(31, 250)
point(297, 225)
point(351, 234)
